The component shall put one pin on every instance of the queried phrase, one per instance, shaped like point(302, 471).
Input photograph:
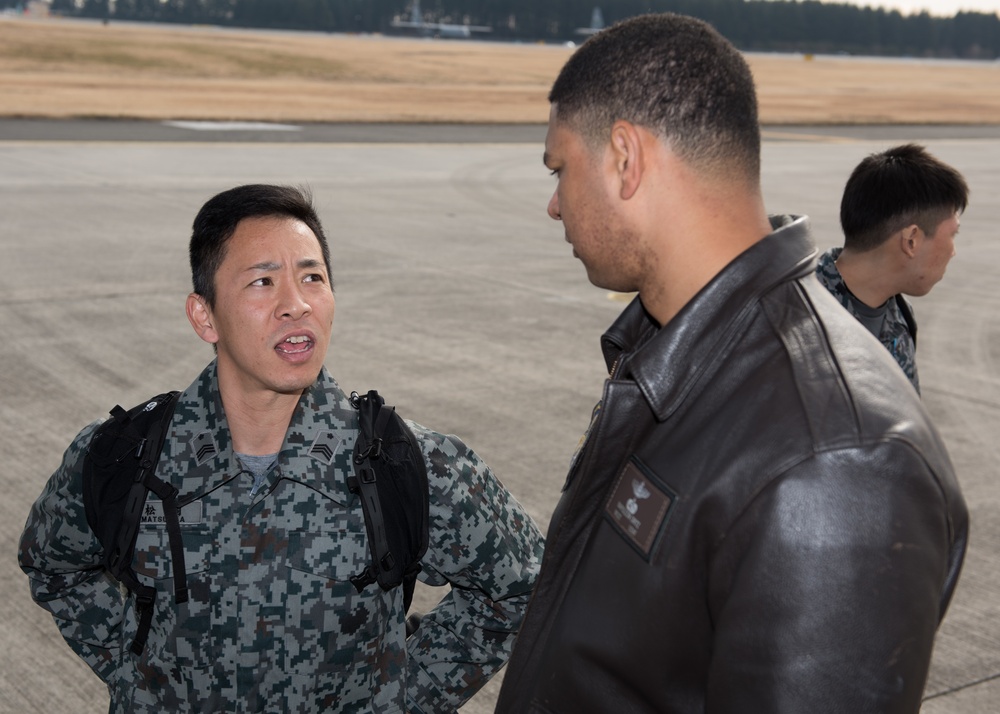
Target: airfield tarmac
point(456, 297)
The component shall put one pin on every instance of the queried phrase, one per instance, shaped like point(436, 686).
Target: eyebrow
point(270, 266)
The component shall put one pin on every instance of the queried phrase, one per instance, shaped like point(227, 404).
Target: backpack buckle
point(144, 600)
point(372, 451)
point(365, 578)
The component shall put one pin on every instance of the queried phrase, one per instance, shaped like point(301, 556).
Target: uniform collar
point(668, 363)
point(316, 450)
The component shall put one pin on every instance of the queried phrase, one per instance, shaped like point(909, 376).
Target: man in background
point(900, 215)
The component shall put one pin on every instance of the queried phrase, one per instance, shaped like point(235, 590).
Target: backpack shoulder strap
point(118, 473)
point(907, 313)
point(391, 479)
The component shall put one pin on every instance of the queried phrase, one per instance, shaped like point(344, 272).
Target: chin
point(297, 384)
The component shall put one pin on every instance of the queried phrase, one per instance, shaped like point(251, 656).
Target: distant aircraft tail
point(437, 29)
point(596, 23)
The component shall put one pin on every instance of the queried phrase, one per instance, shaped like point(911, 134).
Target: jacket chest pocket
point(299, 548)
point(336, 628)
point(152, 559)
point(180, 634)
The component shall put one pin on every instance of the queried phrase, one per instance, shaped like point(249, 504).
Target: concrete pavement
point(456, 297)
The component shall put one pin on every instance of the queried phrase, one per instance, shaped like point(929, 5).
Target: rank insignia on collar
point(203, 446)
point(324, 448)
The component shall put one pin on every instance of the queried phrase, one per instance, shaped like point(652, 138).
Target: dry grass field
point(52, 67)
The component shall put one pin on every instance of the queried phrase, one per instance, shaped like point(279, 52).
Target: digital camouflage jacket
point(895, 332)
point(273, 622)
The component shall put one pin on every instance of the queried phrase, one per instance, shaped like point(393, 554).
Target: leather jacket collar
point(669, 363)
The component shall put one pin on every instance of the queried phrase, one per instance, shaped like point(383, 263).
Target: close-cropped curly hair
point(677, 77)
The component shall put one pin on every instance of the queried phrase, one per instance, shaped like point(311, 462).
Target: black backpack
point(119, 471)
point(391, 479)
point(911, 323)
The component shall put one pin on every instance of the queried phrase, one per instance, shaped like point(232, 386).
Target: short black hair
point(892, 189)
point(218, 218)
point(673, 75)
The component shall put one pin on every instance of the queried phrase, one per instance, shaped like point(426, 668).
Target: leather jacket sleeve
point(827, 591)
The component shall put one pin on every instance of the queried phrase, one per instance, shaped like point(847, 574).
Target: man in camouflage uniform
point(900, 215)
point(260, 448)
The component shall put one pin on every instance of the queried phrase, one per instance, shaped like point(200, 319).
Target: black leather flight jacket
point(762, 517)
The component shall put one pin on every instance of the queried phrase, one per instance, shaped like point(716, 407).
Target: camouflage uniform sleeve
point(62, 559)
point(488, 548)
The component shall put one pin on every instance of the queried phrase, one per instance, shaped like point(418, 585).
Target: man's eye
point(261, 282)
point(315, 278)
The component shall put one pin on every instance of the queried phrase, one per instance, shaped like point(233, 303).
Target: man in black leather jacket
point(762, 517)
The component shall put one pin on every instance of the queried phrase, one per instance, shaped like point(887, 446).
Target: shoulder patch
point(638, 507)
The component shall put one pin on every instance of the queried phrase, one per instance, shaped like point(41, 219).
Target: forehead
point(561, 139)
point(271, 235)
point(550, 133)
point(949, 225)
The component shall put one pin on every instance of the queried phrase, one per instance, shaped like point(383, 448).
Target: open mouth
point(296, 344)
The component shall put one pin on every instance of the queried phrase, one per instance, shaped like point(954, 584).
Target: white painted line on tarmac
point(766, 134)
point(231, 126)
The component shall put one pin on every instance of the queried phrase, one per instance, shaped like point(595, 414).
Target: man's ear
point(199, 314)
point(909, 240)
point(626, 146)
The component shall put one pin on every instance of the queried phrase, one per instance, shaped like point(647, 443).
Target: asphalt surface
point(76, 130)
point(456, 297)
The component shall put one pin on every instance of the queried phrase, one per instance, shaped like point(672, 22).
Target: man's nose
point(554, 206)
point(292, 302)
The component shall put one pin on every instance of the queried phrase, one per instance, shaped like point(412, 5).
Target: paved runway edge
point(131, 130)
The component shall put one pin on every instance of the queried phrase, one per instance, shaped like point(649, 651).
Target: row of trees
point(774, 25)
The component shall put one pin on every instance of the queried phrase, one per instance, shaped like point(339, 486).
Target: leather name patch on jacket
point(638, 508)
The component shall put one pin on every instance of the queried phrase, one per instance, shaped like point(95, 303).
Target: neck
point(868, 276)
point(703, 229)
point(258, 421)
